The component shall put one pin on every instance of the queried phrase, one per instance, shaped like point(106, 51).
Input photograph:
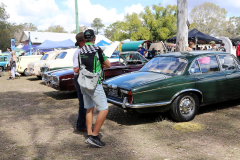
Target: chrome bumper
point(124, 104)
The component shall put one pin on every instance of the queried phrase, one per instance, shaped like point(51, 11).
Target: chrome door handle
point(229, 73)
point(200, 78)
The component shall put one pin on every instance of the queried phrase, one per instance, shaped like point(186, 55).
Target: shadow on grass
point(33, 78)
point(61, 95)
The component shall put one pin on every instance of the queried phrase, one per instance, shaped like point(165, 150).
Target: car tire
point(1, 69)
point(185, 107)
point(39, 77)
point(25, 72)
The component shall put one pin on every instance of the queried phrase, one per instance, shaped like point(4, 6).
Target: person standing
point(238, 51)
point(13, 65)
point(8, 62)
point(190, 48)
point(81, 121)
point(94, 59)
point(141, 50)
point(222, 48)
point(214, 47)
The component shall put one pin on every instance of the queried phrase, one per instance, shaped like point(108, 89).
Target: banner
point(13, 44)
point(30, 45)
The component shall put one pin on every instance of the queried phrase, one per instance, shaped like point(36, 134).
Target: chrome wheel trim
point(187, 106)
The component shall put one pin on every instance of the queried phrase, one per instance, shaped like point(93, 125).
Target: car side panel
point(163, 90)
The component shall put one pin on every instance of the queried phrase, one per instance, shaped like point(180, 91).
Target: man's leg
point(89, 119)
point(81, 121)
point(99, 121)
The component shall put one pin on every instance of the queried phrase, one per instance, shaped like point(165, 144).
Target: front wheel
point(185, 107)
point(25, 73)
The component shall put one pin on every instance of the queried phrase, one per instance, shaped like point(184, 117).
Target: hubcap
point(187, 105)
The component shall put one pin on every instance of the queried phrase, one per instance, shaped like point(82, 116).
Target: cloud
point(138, 8)
point(45, 13)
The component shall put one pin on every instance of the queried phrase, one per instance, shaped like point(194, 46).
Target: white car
point(23, 61)
point(63, 60)
point(34, 67)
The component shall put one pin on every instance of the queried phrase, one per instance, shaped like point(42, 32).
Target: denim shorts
point(96, 97)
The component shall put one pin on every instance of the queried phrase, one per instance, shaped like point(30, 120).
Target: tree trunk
point(182, 28)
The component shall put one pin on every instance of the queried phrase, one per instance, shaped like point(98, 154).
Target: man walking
point(8, 62)
point(81, 121)
point(94, 59)
point(214, 47)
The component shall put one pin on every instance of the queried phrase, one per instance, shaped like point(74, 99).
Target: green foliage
point(161, 21)
point(155, 23)
point(56, 28)
point(209, 19)
point(97, 25)
point(81, 29)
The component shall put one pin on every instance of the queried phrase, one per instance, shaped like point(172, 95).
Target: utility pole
point(182, 25)
point(76, 13)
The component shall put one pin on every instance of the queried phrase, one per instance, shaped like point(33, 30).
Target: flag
point(30, 45)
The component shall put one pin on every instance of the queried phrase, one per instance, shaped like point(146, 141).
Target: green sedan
point(177, 82)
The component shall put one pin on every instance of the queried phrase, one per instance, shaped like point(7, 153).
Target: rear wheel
point(39, 77)
point(185, 107)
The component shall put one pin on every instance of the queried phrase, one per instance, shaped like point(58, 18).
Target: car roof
point(191, 54)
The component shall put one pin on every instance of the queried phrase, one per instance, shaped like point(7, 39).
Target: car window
point(195, 67)
point(227, 62)
point(44, 57)
point(166, 65)
point(208, 64)
point(1, 58)
point(61, 55)
point(131, 58)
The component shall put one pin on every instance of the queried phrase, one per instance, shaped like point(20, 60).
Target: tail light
point(130, 97)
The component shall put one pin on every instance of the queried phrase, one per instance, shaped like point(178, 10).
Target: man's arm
point(106, 64)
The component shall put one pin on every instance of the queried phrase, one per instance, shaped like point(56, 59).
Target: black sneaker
point(94, 141)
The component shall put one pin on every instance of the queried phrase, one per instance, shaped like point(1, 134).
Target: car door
point(212, 80)
point(229, 67)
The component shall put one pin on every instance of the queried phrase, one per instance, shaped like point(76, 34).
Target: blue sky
point(45, 13)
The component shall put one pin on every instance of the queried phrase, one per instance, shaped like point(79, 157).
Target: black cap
point(89, 34)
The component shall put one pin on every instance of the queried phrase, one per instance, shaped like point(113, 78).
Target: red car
point(128, 62)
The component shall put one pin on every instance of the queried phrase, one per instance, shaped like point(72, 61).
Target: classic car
point(3, 62)
point(63, 60)
point(177, 82)
point(128, 62)
point(34, 67)
point(23, 61)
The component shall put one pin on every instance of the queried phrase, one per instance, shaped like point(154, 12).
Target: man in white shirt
point(81, 121)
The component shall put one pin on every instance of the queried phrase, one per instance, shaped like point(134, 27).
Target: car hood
point(64, 72)
point(35, 63)
point(131, 80)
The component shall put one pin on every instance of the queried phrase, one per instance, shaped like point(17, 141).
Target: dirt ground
point(37, 122)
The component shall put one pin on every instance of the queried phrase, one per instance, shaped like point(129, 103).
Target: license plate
point(112, 92)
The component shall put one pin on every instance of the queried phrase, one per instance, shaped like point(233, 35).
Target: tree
point(81, 29)
point(56, 28)
point(209, 19)
point(97, 25)
point(160, 21)
point(182, 25)
point(5, 29)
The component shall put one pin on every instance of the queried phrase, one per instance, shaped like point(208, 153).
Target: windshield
point(166, 65)
point(132, 58)
point(44, 57)
point(61, 55)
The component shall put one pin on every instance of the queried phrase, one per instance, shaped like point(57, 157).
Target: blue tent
point(195, 35)
point(102, 43)
point(26, 47)
point(47, 44)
